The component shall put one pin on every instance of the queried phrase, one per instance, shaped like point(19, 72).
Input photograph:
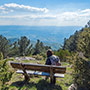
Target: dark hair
point(49, 52)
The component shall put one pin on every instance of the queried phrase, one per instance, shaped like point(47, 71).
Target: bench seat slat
point(38, 67)
point(40, 73)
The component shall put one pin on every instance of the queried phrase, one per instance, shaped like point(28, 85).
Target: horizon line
point(42, 26)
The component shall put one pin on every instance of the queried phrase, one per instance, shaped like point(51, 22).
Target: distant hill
point(50, 35)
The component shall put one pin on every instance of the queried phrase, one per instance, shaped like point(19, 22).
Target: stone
point(72, 87)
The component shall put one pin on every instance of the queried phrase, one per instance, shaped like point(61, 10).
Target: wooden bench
point(38, 69)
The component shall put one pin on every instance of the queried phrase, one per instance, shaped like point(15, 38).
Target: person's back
point(52, 59)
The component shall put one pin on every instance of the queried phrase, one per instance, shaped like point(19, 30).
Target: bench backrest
point(39, 67)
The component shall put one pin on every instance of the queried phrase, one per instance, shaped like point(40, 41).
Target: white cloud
point(77, 18)
point(31, 16)
point(2, 8)
point(11, 7)
point(86, 11)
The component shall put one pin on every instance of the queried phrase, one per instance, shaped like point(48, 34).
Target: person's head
point(49, 52)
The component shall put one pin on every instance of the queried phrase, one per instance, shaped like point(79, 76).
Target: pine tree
point(5, 74)
point(4, 46)
point(23, 43)
point(81, 72)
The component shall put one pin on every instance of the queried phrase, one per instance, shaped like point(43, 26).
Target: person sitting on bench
point(52, 60)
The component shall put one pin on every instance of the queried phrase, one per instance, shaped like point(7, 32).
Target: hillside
point(79, 42)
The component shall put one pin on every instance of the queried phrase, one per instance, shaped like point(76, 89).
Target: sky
point(45, 12)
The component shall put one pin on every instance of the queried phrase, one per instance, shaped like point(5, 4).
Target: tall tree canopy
point(80, 41)
point(4, 45)
point(40, 47)
point(23, 43)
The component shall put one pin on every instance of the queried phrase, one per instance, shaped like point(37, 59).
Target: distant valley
point(50, 35)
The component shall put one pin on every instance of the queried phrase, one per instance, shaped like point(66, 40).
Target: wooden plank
point(26, 76)
point(40, 73)
point(39, 67)
point(51, 76)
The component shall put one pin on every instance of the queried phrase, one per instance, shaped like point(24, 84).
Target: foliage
point(1, 56)
point(40, 48)
point(30, 50)
point(23, 45)
point(81, 73)
point(14, 49)
point(71, 43)
point(4, 46)
point(5, 74)
point(84, 42)
point(37, 48)
point(38, 57)
point(63, 54)
point(43, 55)
point(79, 42)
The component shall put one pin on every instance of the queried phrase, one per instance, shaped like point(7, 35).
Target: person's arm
point(58, 63)
point(48, 62)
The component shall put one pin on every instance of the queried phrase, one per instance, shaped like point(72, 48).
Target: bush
point(44, 56)
point(5, 74)
point(64, 55)
point(81, 73)
point(38, 57)
point(1, 56)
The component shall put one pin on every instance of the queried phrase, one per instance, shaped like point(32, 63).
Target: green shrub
point(43, 55)
point(1, 56)
point(64, 55)
point(12, 59)
point(38, 57)
point(5, 74)
point(81, 73)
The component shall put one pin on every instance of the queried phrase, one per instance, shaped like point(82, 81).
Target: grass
point(38, 83)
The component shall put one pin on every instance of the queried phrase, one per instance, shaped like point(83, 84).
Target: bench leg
point(27, 78)
point(52, 80)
